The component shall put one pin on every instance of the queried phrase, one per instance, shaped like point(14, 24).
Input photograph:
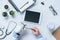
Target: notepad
point(21, 5)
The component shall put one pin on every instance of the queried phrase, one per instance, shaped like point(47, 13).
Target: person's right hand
point(35, 31)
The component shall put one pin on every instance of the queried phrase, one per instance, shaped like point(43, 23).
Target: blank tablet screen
point(32, 16)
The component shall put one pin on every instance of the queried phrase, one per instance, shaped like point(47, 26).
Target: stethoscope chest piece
point(2, 33)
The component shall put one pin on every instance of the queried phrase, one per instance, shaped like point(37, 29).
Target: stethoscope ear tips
point(23, 25)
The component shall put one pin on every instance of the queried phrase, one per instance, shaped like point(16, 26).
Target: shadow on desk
point(57, 34)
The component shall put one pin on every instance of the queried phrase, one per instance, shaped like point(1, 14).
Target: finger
point(33, 30)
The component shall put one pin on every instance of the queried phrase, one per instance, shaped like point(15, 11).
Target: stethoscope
point(2, 31)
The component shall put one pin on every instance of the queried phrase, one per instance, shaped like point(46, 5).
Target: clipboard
point(21, 5)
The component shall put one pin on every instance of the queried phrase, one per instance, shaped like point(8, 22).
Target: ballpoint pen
point(24, 5)
point(30, 28)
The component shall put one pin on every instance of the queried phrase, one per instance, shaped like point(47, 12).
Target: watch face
point(32, 16)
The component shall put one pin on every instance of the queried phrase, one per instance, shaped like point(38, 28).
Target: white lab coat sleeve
point(16, 37)
point(40, 37)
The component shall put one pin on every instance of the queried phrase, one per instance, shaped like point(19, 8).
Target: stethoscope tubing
point(7, 30)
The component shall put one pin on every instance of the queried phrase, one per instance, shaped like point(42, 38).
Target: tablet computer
point(32, 17)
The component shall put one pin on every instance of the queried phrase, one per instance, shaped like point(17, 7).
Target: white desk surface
point(47, 18)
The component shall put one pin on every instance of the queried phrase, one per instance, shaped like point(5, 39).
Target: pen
point(24, 5)
point(30, 29)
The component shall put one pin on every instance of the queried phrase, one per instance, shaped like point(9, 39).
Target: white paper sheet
point(23, 4)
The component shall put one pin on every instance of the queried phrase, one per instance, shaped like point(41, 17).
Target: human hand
point(35, 31)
